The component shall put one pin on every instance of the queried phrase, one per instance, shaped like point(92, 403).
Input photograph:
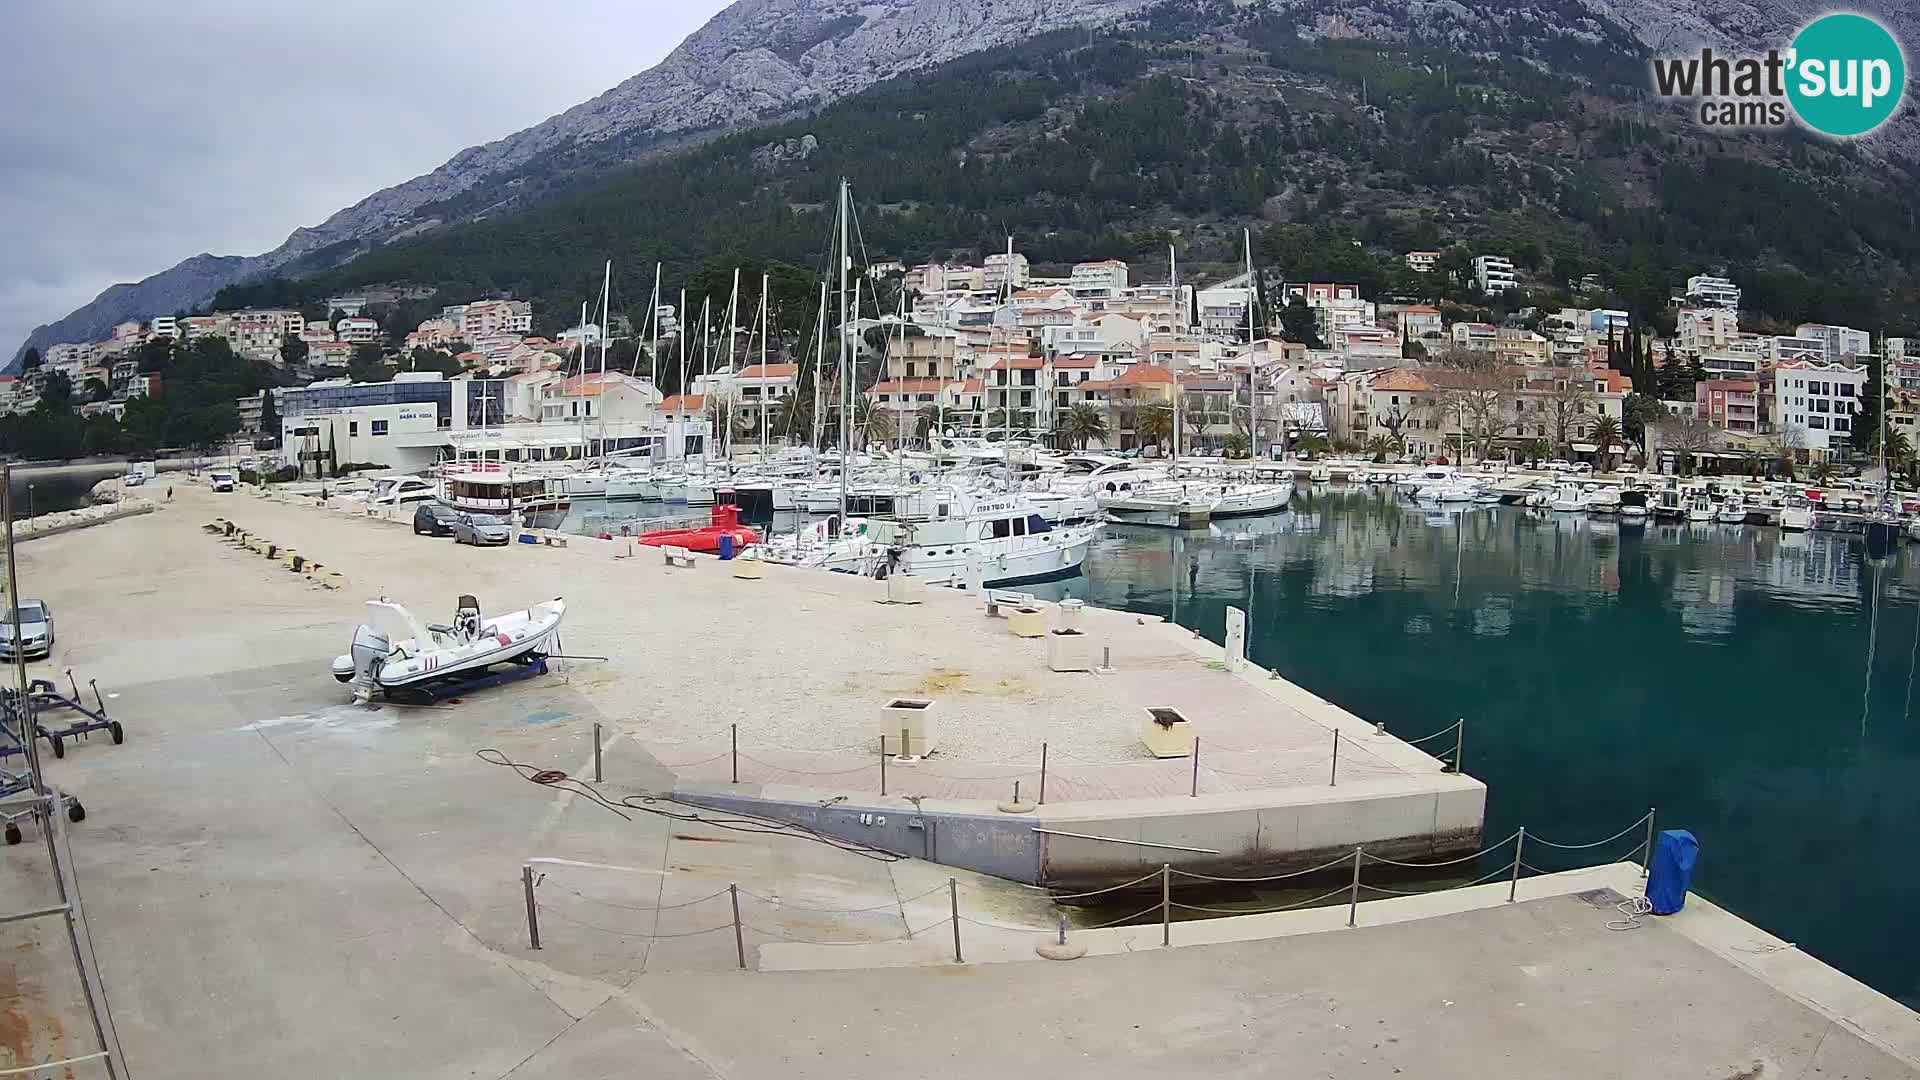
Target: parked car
point(435, 519)
point(36, 629)
point(480, 530)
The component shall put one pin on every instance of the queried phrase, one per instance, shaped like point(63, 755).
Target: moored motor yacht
point(1796, 514)
point(948, 537)
point(490, 487)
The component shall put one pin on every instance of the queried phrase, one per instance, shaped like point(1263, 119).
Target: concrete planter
point(749, 569)
point(1071, 650)
point(1167, 733)
point(911, 720)
point(1027, 622)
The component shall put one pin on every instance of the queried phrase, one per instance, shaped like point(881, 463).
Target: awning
point(1585, 448)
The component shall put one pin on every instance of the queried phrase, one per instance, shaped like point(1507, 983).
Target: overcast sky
point(136, 134)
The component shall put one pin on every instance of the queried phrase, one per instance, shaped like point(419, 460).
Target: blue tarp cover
point(1671, 873)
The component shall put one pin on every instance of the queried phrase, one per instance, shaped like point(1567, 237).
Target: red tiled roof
point(1401, 379)
point(684, 403)
point(1018, 363)
point(1075, 363)
point(768, 371)
point(1420, 309)
point(1144, 374)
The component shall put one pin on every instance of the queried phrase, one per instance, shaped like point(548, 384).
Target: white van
point(220, 480)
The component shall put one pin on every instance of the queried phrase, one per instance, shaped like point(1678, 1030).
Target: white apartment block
point(1709, 291)
point(1708, 329)
point(1006, 272)
point(1422, 262)
point(165, 326)
point(1819, 400)
point(70, 357)
point(486, 318)
point(1782, 348)
point(1480, 337)
point(1223, 310)
point(1494, 273)
point(1840, 341)
point(357, 331)
point(1105, 278)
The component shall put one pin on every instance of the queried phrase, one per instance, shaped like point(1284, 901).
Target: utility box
point(902, 589)
point(1167, 733)
point(909, 726)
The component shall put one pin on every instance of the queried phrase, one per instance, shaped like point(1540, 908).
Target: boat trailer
point(531, 665)
point(47, 699)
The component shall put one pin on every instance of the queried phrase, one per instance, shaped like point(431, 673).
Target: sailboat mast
point(682, 389)
point(606, 314)
point(900, 426)
point(766, 330)
point(846, 411)
point(819, 369)
point(1253, 390)
point(653, 321)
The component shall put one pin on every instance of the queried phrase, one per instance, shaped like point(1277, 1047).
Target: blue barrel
point(1671, 873)
point(726, 546)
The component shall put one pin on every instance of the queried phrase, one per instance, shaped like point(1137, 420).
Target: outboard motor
point(361, 666)
point(466, 618)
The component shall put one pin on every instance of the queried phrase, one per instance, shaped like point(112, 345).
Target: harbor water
point(1755, 686)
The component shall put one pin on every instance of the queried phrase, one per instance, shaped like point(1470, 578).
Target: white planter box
point(911, 719)
point(1071, 650)
point(1167, 740)
point(1027, 622)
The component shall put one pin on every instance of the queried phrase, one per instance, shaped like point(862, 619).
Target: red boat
point(725, 523)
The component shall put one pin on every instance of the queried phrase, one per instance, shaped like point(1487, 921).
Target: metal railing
point(1512, 868)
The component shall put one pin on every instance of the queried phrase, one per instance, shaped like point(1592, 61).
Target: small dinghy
point(393, 651)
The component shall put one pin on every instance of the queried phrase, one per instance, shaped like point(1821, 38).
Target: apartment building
point(1819, 399)
point(1707, 329)
point(1005, 273)
point(1422, 323)
point(490, 318)
point(357, 330)
point(1494, 273)
point(1840, 342)
point(1422, 262)
point(1099, 280)
point(1705, 290)
point(166, 326)
point(1784, 347)
point(1729, 404)
point(1478, 336)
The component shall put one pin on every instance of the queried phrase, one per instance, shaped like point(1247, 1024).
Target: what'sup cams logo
point(1844, 76)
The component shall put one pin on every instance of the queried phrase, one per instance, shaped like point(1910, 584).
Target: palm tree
point(1379, 447)
point(1534, 451)
point(1604, 433)
point(1822, 473)
point(1237, 444)
point(1084, 423)
point(792, 418)
point(871, 423)
point(1312, 443)
point(1154, 425)
point(926, 422)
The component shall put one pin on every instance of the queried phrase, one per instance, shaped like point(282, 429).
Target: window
point(1002, 528)
point(379, 427)
point(1019, 526)
point(1063, 399)
point(909, 369)
point(1026, 399)
point(1818, 423)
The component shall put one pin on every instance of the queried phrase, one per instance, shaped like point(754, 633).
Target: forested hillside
point(1345, 136)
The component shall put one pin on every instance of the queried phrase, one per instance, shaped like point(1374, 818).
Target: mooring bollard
point(596, 752)
point(533, 913)
point(739, 941)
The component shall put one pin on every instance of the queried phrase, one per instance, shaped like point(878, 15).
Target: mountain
point(754, 60)
point(761, 60)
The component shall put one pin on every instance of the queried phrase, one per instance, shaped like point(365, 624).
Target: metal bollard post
point(739, 942)
point(1333, 775)
point(1353, 895)
point(1519, 848)
point(883, 764)
point(1043, 774)
point(1166, 905)
point(533, 913)
point(1646, 853)
point(1106, 658)
point(953, 904)
point(596, 752)
point(1195, 792)
point(735, 737)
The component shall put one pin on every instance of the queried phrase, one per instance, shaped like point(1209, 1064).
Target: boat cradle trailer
point(45, 698)
point(526, 666)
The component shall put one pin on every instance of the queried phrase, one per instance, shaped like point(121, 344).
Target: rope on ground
point(1631, 911)
point(1108, 889)
point(632, 907)
point(1641, 820)
point(865, 766)
point(838, 911)
point(1496, 846)
point(1263, 911)
point(1268, 877)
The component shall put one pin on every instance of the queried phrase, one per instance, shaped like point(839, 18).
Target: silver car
point(36, 629)
point(480, 530)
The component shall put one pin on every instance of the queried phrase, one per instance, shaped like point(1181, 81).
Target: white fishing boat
point(394, 651)
point(1796, 514)
point(1699, 507)
point(1431, 476)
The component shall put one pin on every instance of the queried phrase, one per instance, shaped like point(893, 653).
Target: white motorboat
point(1733, 510)
point(1796, 514)
point(1604, 502)
point(1699, 507)
point(1320, 474)
point(401, 490)
point(1568, 498)
point(1246, 500)
point(1001, 538)
point(1156, 502)
point(1414, 483)
point(394, 651)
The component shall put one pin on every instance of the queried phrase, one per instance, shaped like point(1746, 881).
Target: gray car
point(480, 530)
point(36, 629)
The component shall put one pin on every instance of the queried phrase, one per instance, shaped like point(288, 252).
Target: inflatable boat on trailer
point(395, 655)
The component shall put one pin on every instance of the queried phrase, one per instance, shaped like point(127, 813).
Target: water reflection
point(1755, 686)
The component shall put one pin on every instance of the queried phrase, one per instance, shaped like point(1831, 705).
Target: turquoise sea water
point(1720, 673)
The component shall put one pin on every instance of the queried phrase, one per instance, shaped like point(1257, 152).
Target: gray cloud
point(139, 134)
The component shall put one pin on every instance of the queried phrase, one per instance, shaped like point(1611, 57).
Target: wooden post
point(533, 913)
